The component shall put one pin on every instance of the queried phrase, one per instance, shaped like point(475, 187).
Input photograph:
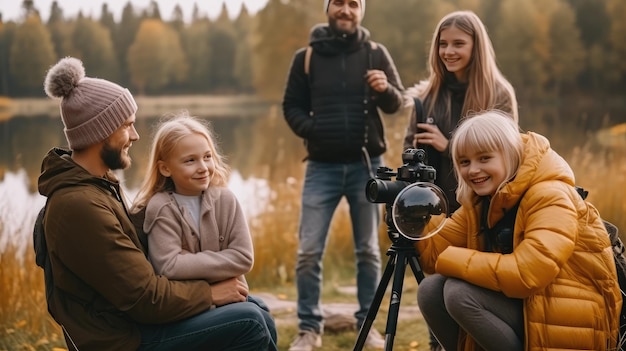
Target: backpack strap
point(419, 110)
point(42, 259)
point(307, 59)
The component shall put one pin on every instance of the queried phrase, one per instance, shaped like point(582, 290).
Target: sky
point(11, 9)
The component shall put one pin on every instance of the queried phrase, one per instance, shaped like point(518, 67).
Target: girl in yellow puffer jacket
point(551, 284)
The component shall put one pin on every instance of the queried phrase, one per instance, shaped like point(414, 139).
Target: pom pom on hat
point(91, 109)
point(327, 2)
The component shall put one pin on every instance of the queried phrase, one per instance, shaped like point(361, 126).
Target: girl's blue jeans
point(242, 326)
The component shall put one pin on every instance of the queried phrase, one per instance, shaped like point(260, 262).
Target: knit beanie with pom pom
point(92, 109)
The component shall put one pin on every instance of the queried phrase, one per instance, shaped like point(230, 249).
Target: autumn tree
point(107, 20)
point(30, 56)
point(7, 35)
point(242, 70)
point(616, 10)
point(153, 10)
point(58, 28)
point(196, 46)
point(280, 29)
point(156, 58)
point(522, 47)
point(178, 19)
point(566, 56)
point(222, 40)
point(127, 30)
point(93, 44)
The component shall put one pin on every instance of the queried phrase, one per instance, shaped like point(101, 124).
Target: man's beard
point(333, 24)
point(113, 157)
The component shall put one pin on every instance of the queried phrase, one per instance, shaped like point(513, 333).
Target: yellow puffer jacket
point(562, 264)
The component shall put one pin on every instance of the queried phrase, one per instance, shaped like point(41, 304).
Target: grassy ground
point(410, 330)
point(25, 324)
point(411, 335)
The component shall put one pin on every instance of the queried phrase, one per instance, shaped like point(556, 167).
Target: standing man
point(104, 293)
point(333, 93)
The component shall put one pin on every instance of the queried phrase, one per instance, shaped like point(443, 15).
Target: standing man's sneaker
point(306, 340)
point(375, 340)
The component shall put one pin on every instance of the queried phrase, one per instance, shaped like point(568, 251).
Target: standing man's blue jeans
point(324, 186)
point(241, 326)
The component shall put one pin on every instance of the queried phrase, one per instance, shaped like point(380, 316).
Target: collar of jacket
point(326, 42)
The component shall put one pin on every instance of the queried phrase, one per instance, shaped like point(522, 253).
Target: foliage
point(155, 58)
point(548, 50)
point(565, 58)
point(222, 66)
point(274, 45)
point(30, 55)
point(93, 44)
point(616, 9)
point(199, 54)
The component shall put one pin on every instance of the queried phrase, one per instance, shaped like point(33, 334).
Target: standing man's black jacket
point(332, 108)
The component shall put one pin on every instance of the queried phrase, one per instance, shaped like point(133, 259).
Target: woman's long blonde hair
point(487, 87)
point(487, 131)
point(169, 132)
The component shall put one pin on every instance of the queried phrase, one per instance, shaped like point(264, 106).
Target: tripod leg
point(415, 267)
point(375, 305)
point(394, 302)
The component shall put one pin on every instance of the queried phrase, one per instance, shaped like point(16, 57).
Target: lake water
point(24, 141)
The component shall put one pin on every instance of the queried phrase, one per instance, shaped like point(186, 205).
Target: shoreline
point(243, 105)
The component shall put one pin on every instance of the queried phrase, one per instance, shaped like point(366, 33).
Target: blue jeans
point(242, 326)
point(324, 186)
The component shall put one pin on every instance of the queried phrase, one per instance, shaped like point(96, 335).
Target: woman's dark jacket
point(447, 123)
point(332, 108)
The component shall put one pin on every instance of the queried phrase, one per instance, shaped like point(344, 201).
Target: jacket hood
point(540, 163)
point(58, 171)
point(326, 42)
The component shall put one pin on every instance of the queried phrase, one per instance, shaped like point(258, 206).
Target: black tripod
point(400, 253)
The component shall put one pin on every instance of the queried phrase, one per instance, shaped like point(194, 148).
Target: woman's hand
point(430, 135)
point(229, 291)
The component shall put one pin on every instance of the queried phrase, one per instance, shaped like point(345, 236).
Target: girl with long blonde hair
point(464, 80)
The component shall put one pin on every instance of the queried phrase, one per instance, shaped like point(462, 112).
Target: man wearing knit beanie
point(100, 287)
point(335, 90)
point(93, 112)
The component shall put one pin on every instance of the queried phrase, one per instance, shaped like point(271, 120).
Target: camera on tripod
point(414, 169)
point(412, 202)
point(413, 198)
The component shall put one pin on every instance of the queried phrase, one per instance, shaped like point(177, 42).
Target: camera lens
point(383, 191)
point(415, 207)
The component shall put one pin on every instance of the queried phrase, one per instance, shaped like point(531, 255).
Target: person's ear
point(163, 169)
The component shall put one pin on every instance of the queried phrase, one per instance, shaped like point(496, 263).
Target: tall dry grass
point(24, 320)
point(601, 171)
